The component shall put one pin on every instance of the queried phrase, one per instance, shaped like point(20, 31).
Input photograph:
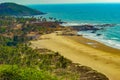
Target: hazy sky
point(58, 1)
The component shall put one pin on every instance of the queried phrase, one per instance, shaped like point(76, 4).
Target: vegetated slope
point(18, 61)
point(13, 72)
point(13, 9)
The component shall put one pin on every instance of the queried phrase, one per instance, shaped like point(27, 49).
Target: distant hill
point(13, 9)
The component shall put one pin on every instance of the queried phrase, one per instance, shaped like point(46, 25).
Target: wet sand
point(87, 52)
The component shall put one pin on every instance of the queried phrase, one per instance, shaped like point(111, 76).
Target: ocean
point(75, 14)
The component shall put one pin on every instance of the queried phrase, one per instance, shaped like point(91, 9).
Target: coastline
point(107, 42)
point(102, 58)
point(94, 33)
point(95, 44)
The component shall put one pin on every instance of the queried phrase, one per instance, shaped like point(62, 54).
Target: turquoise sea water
point(88, 14)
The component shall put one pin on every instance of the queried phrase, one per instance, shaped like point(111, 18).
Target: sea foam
point(102, 39)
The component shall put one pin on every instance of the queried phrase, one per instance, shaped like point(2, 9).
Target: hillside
point(20, 61)
point(13, 9)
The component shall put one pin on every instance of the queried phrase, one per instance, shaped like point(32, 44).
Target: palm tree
point(44, 20)
point(55, 19)
point(51, 18)
point(60, 20)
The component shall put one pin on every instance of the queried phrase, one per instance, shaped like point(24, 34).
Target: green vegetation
point(13, 9)
point(8, 72)
point(39, 59)
point(18, 61)
point(21, 30)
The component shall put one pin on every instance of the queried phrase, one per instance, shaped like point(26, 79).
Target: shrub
point(8, 72)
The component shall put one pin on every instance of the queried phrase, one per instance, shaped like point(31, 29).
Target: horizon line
point(76, 3)
point(66, 3)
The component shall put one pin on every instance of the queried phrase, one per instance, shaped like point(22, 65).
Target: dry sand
point(87, 52)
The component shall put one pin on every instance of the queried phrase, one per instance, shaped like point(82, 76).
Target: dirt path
point(104, 62)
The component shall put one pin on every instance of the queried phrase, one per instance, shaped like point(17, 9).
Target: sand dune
point(83, 51)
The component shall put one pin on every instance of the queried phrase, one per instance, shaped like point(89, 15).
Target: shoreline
point(109, 43)
point(104, 59)
point(93, 35)
point(95, 44)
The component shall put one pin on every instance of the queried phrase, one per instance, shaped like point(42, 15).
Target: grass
point(13, 72)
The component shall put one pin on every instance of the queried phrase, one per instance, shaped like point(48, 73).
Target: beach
point(84, 51)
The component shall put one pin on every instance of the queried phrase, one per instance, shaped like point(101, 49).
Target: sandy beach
point(87, 52)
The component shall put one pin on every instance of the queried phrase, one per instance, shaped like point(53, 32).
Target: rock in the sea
point(84, 27)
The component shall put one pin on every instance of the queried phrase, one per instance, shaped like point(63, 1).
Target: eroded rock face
point(91, 27)
point(84, 27)
point(88, 73)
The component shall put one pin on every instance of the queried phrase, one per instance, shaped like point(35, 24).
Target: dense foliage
point(12, 9)
point(8, 72)
point(18, 61)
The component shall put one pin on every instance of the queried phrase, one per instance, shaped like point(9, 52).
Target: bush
point(8, 72)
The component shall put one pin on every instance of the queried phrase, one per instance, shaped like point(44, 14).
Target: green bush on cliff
point(9, 72)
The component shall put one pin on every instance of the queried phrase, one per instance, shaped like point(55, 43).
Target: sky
point(59, 1)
